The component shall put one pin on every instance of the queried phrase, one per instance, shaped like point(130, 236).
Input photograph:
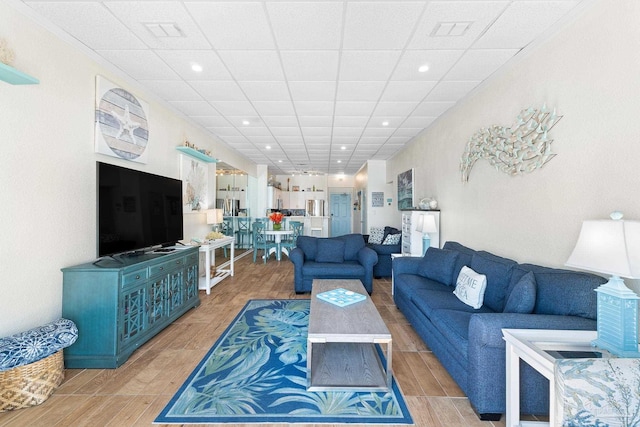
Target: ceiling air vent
point(164, 29)
point(450, 29)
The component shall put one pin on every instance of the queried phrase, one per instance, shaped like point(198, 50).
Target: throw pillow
point(376, 235)
point(522, 298)
point(392, 239)
point(438, 264)
point(470, 287)
point(330, 250)
point(390, 230)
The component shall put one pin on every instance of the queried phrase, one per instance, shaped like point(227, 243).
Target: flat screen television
point(136, 210)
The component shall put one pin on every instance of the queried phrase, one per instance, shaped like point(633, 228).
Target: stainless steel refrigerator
point(315, 207)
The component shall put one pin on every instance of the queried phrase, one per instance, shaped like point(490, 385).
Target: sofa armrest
point(406, 265)
point(367, 257)
point(485, 329)
point(296, 255)
point(487, 358)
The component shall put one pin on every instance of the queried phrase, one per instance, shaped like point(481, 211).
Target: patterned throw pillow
point(470, 287)
point(375, 235)
point(392, 239)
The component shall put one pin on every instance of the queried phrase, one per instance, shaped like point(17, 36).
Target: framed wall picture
point(121, 123)
point(405, 190)
point(377, 199)
point(194, 175)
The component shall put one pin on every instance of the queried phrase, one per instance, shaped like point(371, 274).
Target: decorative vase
point(277, 226)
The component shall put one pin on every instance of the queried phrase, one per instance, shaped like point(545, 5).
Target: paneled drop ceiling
point(308, 86)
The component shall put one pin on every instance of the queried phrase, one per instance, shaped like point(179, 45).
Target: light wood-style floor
point(135, 393)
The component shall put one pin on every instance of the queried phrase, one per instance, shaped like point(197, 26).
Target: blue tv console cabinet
point(117, 306)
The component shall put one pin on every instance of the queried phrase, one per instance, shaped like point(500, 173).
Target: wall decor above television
point(122, 123)
point(136, 210)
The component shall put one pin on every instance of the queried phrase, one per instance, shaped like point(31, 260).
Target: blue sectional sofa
point(467, 341)
point(343, 257)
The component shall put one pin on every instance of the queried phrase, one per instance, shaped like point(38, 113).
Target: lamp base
point(611, 348)
point(426, 242)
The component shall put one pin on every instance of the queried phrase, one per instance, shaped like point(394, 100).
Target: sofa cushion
point(309, 246)
point(557, 290)
point(464, 256)
point(470, 287)
point(376, 235)
point(392, 239)
point(498, 272)
point(438, 264)
point(330, 250)
point(454, 325)
point(352, 245)
point(429, 301)
point(522, 297)
point(332, 270)
point(410, 284)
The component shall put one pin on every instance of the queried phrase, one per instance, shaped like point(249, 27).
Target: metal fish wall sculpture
point(521, 148)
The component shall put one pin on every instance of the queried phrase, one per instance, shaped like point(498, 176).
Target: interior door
point(340, 214)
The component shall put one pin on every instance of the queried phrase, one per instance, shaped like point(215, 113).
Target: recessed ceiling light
point(343, 148)
point(339, 161)
point(246, 122)
point(196, 67)
point(279, 161)
point(423, 68)
point(268, 147)
point(385, 123)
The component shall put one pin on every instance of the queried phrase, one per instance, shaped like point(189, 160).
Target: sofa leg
point(489, 417)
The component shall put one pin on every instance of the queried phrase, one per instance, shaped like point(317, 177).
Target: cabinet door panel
point(132, 315)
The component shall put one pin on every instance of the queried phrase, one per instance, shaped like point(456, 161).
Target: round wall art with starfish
point(122, 128)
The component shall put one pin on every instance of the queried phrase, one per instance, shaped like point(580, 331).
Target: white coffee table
point(341, 342)
point(532, 346)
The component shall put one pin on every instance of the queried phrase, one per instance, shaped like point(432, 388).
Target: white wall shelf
point(196, 154)
point(16, 77)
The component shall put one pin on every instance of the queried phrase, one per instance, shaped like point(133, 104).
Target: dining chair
point(244, 231)
point(226, 228)
point(260, 241)
point(290, 242)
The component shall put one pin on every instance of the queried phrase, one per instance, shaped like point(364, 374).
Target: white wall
point(589, 71)
point(378, 182)
point(47, 168)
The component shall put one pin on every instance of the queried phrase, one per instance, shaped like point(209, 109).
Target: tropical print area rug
point(256, 373)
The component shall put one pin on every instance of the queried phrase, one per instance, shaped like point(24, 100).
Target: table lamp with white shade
point(426, 224)
point(612, 247)
point(214, 216)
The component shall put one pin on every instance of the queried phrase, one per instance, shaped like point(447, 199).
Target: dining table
point(277, 235)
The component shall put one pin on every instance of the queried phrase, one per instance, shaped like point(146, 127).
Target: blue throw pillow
point(330, 250)
point(438, 264)
point(498, 271)
point(522, 298)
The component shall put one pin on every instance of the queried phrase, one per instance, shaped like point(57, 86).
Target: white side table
point(209, 250)
point(531, 345)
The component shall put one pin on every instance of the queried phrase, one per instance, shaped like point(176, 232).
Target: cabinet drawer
point(192, 259)
point(165, 267)
point(134, 278)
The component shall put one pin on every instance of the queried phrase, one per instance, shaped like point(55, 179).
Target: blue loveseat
point(343, 257)
point(468, 342)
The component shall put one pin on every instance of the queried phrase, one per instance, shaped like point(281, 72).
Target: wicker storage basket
point(31, 384)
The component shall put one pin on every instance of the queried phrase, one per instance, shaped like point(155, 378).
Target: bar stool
point(244, 230)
